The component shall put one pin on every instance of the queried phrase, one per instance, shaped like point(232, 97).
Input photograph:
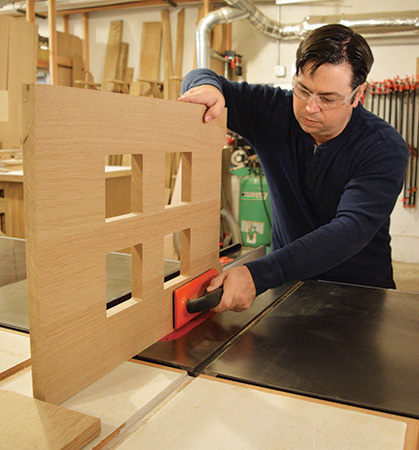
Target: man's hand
point(239, 289)
point(207, 95)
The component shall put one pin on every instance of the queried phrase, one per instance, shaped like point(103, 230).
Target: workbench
point(310, 365)
point(118, 197)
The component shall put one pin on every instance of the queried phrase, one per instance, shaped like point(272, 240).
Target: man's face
point(328, 81)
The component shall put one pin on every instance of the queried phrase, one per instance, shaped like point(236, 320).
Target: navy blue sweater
point(331, 207)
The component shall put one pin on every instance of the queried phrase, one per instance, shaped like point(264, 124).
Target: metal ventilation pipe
point(266, 25)
point(207, 23)
point(245, 9)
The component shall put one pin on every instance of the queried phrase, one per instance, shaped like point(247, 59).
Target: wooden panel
point(176, 81)
point(30, 10)
point(85, 27)
point(21, 66)
point(68, 44)
point(121, 86)
point(52, 41)
point(4, 50)
point(118, 398)
point(66, 23)
point(29, 423)
point(112, 55)
point(179, 42)
point(122, 61)
point(14, 351)
point(65, 76)
point(77, 72)
point(74, 340)
point(149, 58)
point(167, 52)
point(4, 106)
point(69, 54)
point(150, 50)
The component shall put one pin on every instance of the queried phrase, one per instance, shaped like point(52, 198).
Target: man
point(334, 170)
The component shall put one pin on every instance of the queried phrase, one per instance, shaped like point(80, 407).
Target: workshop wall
point(394, 56)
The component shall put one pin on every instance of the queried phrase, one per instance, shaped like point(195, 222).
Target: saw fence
point(397, 102)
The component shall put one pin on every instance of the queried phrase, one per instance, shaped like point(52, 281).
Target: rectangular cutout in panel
point(177, 247)
point(123, 185)
point(178, 178)
point(123, 279)
point(2, 223)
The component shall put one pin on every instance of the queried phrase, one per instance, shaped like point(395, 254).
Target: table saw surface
point(348, 344)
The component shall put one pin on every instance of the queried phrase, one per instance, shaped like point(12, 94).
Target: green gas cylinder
point(255, 216)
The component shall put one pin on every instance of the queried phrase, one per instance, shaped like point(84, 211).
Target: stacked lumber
point(148, 84)
point(116, 76)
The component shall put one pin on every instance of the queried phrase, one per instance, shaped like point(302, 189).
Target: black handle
point(208, 301)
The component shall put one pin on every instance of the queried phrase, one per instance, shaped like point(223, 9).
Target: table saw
point(347, 344)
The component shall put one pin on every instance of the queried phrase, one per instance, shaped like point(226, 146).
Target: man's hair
point(335, 44)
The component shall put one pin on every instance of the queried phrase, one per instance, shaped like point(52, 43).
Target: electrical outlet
point(280, 71)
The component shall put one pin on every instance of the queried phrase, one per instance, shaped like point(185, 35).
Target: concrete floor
point(406, 276)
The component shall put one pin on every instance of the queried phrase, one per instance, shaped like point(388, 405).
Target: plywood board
point(4, 51)
point(167, 52)
point(149, 69)
point(69, 46)
point(77, 72)
point(22, 46)
point(226, 415)
point(14, 352)
point(122, 64)
point(180, 34)
point(112, 55)
point(117, 398)
point(176, 80)
point(29, 423)
point(74, 340)
point(4, 106)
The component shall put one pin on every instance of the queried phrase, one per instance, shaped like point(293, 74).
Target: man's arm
point(207, 95)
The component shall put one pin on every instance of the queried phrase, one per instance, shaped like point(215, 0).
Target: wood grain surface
point(74, 339)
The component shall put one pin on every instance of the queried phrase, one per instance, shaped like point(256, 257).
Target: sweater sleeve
point(250, 107)
point(198, 77)
point(364, 207)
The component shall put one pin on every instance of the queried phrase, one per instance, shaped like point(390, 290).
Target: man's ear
point(359, 94)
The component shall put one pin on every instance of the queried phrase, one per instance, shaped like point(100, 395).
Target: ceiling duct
point(386, 23)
